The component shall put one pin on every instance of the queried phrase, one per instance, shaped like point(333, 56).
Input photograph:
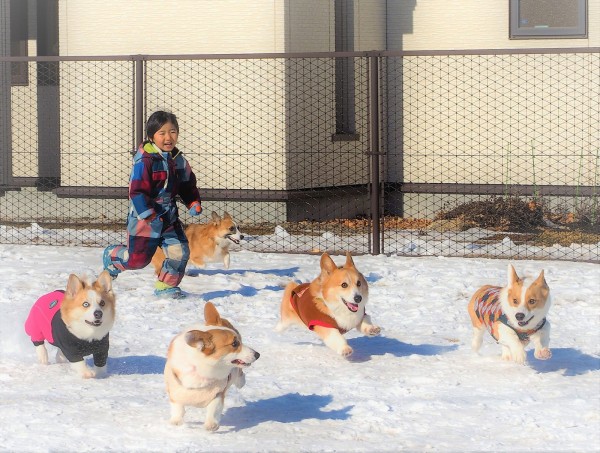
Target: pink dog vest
point(45, 323)
point(39, 322)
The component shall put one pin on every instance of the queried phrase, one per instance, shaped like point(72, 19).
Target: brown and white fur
point(88, 311)
point(340, 293)
point(203, 361)
point(525, 303)
point(209, 243)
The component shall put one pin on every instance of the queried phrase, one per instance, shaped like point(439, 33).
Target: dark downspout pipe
point(374, 151)
point(5, 101)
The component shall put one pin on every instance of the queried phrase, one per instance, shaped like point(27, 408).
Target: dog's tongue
point(352, 307)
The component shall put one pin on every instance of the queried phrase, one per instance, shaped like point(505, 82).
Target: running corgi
point(513, 315)
point(77, 321)
point(331, 305)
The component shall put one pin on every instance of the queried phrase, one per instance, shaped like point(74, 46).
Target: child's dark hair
point(159, 119)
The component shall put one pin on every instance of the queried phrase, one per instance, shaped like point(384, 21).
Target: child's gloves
point(195, 208)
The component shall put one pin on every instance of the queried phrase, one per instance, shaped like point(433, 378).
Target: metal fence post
point(139, 92)
point(374, 150)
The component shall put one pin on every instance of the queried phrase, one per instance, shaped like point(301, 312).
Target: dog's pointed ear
point(226, 215)
point(512, 275)
point(74, 285)
point(105, 281)
point(200, 340)
point(349, 261)
point(211, 315)
point(541, 280)
point(327, 264)
point(215, 218)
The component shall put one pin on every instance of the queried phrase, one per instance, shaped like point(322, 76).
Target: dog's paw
point(543, 354)
point(519, 357)
point(373, 330)
point(87, 373)
point(100, 372)
point(346, 351)
point(42, 354)
point(176, 421)
point(238, 378)
point(211, 425)
point(281, 326)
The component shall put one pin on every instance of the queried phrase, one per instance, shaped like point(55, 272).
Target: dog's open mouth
point(239, 362)
point(524, 323)
point(96, 323)
point(234, 240)
point(352, 307)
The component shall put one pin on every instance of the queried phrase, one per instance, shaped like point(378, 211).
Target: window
point(19, 32)
point(548, 19)
point(344, 72)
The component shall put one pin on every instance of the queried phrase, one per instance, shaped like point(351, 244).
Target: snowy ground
point(417, 387)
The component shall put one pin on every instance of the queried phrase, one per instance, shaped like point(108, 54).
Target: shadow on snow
point(288, 408)
point(571, 361)
point(136, 364)
point(366, 347)
point(195, 272)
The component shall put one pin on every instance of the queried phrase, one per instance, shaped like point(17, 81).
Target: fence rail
point(491, 153)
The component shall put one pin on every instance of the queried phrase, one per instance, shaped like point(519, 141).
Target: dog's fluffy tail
point(286, 312)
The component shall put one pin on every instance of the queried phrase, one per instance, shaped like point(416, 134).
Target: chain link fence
point(488, 153)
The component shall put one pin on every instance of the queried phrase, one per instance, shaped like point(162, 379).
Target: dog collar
point(522, 334)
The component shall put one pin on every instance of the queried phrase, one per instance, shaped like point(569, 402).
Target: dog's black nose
point(241, 236)
point(256, 355)
point(98, 314)
point(520, 316)
point(357, 298)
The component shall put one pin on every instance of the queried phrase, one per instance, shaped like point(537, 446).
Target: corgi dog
point(330, 305)
point(209, 243)
point(77, 321)
point(513, 315)
point(203, 361)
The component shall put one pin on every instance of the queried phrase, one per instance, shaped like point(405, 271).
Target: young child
point(159, 174)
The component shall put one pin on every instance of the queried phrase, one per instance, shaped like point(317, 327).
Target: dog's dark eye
point(235, 343)
point(102, 303)
point(515, 301)
point(232, 228)
point(86, 304)
point(344, 285)
point(358, 283)
point(531, 301)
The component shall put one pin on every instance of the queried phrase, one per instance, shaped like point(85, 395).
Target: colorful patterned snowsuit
point(156, 179)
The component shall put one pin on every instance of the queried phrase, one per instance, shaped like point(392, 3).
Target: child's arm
point(140, 186)
point(187, 186)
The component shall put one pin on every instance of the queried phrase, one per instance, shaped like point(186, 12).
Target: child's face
point(166, 137)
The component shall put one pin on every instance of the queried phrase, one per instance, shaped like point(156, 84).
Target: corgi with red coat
point(514, 315)
point(331, 305)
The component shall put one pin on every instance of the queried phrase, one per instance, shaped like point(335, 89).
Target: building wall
point(468, 24)
point(96, 98)
point(452, 115)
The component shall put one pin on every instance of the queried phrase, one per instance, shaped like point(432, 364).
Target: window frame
point(578, 32)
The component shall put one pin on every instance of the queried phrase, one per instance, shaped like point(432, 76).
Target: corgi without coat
point(203, 361)
point(77, 321)
point(514, 315)
point(208, 242)
point(331, 305)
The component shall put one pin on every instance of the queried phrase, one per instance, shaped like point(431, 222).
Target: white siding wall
point(467, 24)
